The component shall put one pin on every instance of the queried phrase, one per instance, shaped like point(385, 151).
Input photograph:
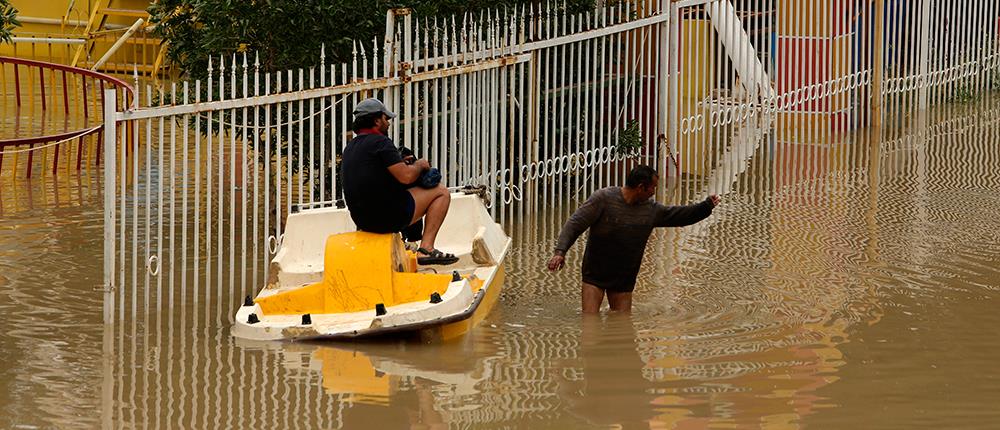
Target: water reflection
point(831, 273)
point(46, 192)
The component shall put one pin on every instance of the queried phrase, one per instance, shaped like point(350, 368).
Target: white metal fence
point(790, 74)
point(535, 103)
point(507, 100)
point(530, 102)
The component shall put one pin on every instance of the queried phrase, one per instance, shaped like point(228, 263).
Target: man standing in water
point(620, 220)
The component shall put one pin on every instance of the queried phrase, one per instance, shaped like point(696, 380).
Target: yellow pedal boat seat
point(360, 270)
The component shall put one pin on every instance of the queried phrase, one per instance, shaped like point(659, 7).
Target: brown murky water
point(849, 284)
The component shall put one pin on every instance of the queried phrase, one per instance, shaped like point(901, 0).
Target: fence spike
point(518, 36)
point(435, 38)
point(454, 34)
point(531, 17)
point(209, 83)
point(222, 77)
point(232, 77)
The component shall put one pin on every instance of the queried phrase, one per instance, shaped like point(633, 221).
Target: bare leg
point(620, 302)
point(434, 204)
point(593, 297)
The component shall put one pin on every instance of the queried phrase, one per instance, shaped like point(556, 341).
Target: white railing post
point(408, 102)
point(110, 132)
point(924, 62)
point(663, 91)
point(673, 53)
point(878, 68)
point(110, 97)
point(388, 63)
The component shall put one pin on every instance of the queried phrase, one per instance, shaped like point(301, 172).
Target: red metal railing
point(37, 88)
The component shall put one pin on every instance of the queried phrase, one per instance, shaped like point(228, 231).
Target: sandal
point(435, 256)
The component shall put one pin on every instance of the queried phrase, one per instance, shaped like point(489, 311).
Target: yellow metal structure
point(360, 270)
point(79, 32)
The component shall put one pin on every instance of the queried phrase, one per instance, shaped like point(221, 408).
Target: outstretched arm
point(580, 221)
point(680, 216)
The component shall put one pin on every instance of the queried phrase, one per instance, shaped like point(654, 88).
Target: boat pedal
point(252, 319)
point(435, 297)
point(379, 309)
point(247, 301)
point(455, 277)
point(307, 319)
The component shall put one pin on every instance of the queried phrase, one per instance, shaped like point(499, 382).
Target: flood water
point(849, 284)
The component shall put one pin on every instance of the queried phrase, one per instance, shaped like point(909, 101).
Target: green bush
point(630, 140)
point(8, 21)
point(289, 34)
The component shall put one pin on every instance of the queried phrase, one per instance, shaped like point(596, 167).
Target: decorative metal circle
point(153, 265)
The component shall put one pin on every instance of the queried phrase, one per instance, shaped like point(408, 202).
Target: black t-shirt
point(377, 201)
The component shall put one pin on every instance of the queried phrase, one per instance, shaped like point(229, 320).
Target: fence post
point(408, 102)
point(107, 386)
point(534, 96)
point(663, 71)
point(673, 51)
point(109, 203)
point(878, 66)
point(925, 41)
point(388, 62)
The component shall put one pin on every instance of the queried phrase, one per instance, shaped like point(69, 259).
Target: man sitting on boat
point(383, 189)
point(620, 220)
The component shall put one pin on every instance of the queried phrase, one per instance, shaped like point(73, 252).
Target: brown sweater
point(619, 232)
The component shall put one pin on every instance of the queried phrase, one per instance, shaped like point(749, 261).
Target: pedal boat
point(329, 281)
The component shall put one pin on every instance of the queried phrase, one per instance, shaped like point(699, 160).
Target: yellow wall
point(77, 17)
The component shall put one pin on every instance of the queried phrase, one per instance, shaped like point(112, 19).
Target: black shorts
point(618, 286)
point(392, 222)
point(406, 215)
